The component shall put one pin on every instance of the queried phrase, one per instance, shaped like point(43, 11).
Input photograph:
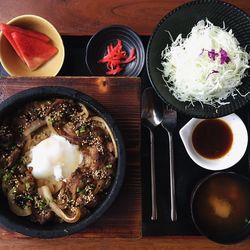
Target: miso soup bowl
point(220, 207)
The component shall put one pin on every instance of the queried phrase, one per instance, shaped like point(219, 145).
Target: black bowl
point(181, 20)
point(97, 45)
point(50, 230)
point(220, 207)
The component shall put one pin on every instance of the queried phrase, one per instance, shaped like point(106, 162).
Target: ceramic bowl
point(220, 207)
point(231, 157)
point(97, 46)
point(180, 21)
point(11, 61)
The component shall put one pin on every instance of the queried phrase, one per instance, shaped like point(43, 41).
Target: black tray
point(187, 173)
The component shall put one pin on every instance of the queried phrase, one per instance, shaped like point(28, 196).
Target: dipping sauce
point(221, 206)
point(212, 138)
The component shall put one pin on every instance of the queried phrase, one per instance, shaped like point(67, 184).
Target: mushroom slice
point(50, 126)
point(44, 191)
point(84, 112)
point(14, 207)
point(35, 125)
point(53, 185)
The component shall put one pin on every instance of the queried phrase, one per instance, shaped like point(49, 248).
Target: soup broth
point(222, 206)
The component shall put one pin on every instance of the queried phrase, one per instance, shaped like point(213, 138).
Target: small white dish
point(235, 153)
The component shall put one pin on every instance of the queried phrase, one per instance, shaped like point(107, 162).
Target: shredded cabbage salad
point(207, 66)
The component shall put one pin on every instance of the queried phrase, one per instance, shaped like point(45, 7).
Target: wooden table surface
point(85, 17)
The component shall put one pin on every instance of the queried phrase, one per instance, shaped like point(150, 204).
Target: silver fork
point(169, 123)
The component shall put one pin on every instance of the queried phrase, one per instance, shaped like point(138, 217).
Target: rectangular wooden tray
point(121, 98)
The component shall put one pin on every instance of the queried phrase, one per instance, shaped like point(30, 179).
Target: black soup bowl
point(220, 207)
point(21, 224)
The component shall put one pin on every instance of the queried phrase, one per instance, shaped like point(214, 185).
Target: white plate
point(236, 152)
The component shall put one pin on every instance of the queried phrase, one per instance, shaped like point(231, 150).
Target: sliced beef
point(42, 216)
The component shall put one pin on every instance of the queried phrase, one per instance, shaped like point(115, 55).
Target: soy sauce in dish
point(212, 138)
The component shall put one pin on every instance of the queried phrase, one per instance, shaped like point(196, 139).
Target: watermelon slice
point(8, 29)
point(33, 51)
point(7, 34)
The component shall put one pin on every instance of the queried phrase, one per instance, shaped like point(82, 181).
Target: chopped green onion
point(7, 176)
point(82, 129)
point(27, 186)
point(109, 166)
point(42, 204)
point(51, 120)
point(28, 197)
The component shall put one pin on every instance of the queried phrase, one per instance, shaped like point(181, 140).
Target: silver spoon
point(151, 117)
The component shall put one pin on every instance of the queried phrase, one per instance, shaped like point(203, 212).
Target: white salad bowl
point(234, 154)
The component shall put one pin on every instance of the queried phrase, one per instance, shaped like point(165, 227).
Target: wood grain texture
point(85, 17)
point(120, 97)
point(149, 243)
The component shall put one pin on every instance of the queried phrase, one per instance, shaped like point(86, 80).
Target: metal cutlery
point(169, 121)
point(151, 115)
